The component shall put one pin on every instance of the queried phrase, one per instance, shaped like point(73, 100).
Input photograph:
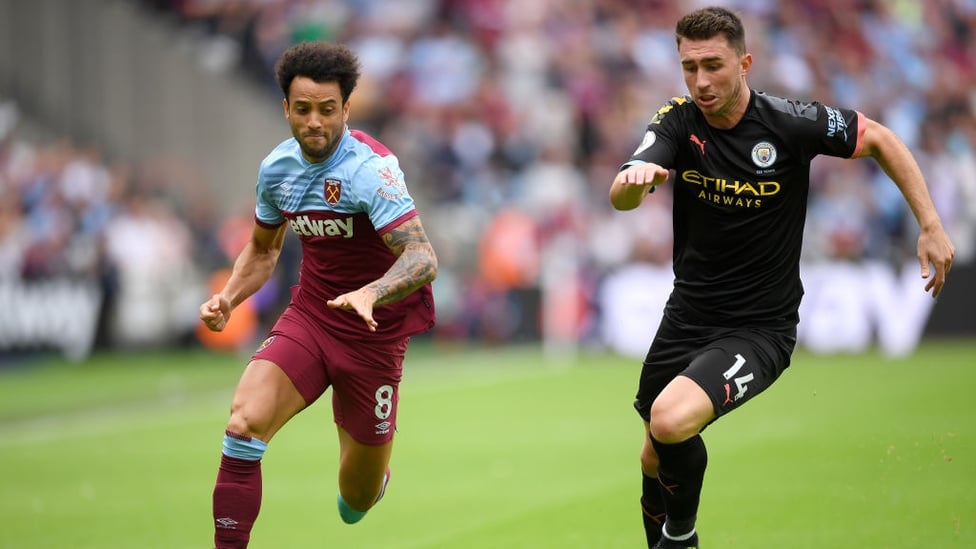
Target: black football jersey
point(740, 199)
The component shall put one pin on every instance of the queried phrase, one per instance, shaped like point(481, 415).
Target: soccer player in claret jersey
point(364, 290)
point(741, 162)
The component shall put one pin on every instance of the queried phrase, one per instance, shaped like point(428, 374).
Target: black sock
point(652, 509)
point(681, 470)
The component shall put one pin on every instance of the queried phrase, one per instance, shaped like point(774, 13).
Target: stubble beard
point(727, 108)
point(735, 97)
point(323, 153)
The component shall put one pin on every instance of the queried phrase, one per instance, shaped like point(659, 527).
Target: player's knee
point(669, 426)
point(239, 424)
point(246, 423)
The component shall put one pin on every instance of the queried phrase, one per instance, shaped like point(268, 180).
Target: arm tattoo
point(416, 263)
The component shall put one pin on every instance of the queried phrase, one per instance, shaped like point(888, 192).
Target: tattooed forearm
point(416, 263)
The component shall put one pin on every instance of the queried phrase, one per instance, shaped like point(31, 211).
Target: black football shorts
point(732, 365)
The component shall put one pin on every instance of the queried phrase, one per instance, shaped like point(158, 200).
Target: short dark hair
point(710, 22)
point(320, 61)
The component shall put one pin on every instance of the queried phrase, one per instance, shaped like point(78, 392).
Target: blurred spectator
point(150, 248)
point(14, 238)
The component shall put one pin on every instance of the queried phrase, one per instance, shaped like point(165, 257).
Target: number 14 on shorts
point(740, 382)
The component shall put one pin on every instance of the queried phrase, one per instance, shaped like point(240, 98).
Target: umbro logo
point(226, 522)
point(701, 144)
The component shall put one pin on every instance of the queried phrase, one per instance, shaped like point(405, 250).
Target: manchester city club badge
point(764, 154)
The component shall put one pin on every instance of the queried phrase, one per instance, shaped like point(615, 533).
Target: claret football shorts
point(364, 375)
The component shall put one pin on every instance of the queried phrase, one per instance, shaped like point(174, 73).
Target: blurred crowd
point(510, 118)
point(68, 214)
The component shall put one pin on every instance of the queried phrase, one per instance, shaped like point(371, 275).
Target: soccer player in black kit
point(741, 162)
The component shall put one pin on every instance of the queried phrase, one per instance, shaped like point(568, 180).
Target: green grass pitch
point(497, 448)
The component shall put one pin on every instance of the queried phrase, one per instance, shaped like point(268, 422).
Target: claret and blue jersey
point(339, 209)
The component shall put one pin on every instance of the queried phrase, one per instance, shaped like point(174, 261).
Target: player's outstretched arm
point(416, 265)
point(252, 269)
point(632, 184)
point(934, 246)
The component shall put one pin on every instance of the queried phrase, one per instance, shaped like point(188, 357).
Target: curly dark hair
point(710, 22)
point(320, 61)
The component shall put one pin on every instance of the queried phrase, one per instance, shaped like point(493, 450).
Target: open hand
point(360, 301)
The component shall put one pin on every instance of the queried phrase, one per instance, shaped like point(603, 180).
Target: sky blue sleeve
point(265, 210)
point(384, 191)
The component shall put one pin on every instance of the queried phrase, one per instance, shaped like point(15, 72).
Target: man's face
point(715, 76)
point(317, 116)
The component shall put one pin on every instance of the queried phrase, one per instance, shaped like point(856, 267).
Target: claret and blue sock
point(237, 493)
